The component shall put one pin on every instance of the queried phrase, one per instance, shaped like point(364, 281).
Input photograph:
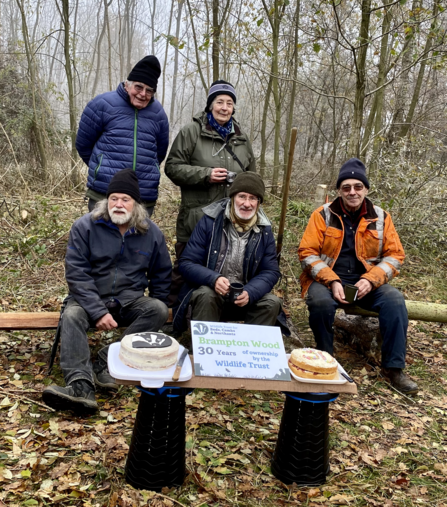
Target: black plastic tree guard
point(302, 452)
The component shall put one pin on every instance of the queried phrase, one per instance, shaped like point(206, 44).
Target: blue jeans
point(142, 314)
point(387, 301)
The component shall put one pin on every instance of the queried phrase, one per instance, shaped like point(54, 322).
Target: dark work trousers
point(142, 314)
point(177, 280)
point(92, 204)
point(209, 306)
point(393, 320)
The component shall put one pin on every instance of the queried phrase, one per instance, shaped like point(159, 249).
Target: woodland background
point(357, 78)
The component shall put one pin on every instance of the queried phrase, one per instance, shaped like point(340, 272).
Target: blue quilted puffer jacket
point(114, 135)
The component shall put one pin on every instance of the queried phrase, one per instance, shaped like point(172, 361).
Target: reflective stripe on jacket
point(377, 246)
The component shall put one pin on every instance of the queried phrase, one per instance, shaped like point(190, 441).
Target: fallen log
point(417, 310)
point(361, 333)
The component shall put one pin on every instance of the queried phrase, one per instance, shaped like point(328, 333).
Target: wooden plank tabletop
point(255, 384)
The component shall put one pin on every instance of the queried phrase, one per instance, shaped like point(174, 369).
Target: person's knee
point(391, 297)
point(74, 314)
point(158, 307)
point(319, 299)
point(271, 303)
point(204, 295)
point(321, 305)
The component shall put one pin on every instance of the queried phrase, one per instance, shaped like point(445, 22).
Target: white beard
point(252, 214)
point(120, 219)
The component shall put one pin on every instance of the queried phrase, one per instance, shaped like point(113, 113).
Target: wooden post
point(285, 190)
point(320, 196)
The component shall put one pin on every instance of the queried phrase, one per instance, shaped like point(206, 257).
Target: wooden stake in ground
point(285, 198)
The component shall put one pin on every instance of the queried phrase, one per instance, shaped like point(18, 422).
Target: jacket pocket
point(332, 242)
point(370, 244)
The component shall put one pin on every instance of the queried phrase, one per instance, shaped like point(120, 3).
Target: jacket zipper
point(135, 140)
point(116, 268)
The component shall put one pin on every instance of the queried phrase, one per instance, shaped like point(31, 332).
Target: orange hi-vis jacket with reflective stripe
point(377, 246)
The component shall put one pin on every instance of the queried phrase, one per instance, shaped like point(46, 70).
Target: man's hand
point(106, 323)
point(243, 299)
point(222, 286)
point(218, 175)
point(338, 292)
point(365, 286)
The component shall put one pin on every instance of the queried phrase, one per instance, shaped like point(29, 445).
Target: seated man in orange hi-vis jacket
point(353, 242)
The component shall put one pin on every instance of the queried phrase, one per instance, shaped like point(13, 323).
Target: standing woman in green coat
point(204, 159)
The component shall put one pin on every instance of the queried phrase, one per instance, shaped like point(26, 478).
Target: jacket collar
point(336, 207)
point(216, 208)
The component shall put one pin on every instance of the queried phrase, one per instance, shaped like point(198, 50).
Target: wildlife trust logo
point(200, 328)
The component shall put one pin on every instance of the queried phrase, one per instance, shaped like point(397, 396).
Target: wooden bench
point(14, 321)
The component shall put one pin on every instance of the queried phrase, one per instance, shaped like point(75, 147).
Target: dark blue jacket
point(101, 264)
point(199, 260)
point(114, 135)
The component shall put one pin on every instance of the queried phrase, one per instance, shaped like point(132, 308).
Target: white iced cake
point(149, 351)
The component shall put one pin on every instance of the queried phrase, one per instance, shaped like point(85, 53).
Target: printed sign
point(238, 350)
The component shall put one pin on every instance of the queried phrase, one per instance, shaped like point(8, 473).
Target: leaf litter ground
point(385, 449)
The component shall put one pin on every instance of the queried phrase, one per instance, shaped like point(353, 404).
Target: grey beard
point(120, 219)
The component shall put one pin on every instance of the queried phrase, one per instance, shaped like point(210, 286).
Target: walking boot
point(102, 377)
point(78, 396)
point(400, 380)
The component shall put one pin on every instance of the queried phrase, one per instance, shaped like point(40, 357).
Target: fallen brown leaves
point(384, 449)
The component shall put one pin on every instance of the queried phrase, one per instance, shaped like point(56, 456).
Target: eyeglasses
point(244, 197)
point(357, 187)
point(139, 88)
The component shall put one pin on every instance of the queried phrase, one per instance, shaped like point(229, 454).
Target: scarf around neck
point(223, 131)
point(240, 224)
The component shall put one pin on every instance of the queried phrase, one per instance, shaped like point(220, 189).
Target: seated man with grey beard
point(114, 253)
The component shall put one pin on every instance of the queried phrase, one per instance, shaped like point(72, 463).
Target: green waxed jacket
point(194, 153)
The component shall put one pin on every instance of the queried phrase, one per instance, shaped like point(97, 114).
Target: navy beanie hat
point(220, 87)
point(146, 71)
point(125, 182)
point(353, 169)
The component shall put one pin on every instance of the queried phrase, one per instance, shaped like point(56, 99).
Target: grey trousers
point(142, 314)
point(209, 306)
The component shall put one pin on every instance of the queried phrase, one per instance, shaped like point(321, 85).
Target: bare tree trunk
point(37, 123)
point(275, 15)
point(360, 58)
point(402, 92)
point(109, 42)
point(264, 127)
point(168, 40)
point(376, 108)
point(174, 78)
point(417, 89)
point(199, 67)
point(65, 16)
point(296, 21)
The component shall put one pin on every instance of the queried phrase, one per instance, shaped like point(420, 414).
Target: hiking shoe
point(400, 380)
point(102, 377)
point(79, 396)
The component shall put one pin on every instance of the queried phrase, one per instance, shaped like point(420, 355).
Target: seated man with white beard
point(114, 253)
point(232, 243)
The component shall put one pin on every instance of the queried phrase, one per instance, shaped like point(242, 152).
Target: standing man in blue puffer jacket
point(125, 128)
